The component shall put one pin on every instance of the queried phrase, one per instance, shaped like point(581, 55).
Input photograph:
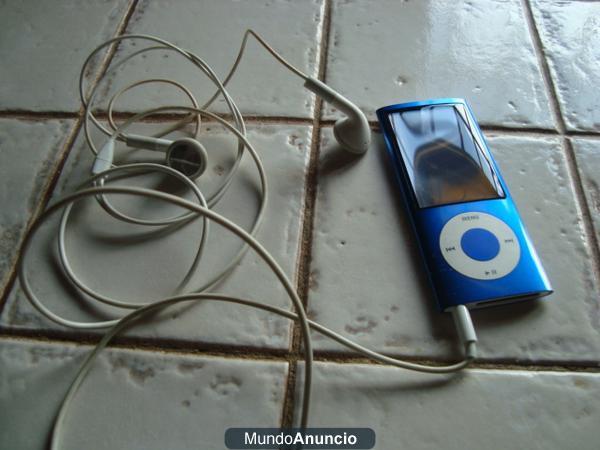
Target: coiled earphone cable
point(104, 171)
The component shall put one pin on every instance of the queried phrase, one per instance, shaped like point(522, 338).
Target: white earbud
point(352, 132)
point(189, 156)
point(186, 155)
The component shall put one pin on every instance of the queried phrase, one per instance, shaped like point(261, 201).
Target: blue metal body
point(527, 280)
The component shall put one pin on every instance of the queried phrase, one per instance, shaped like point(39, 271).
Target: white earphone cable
point(98, 186)
point(257, 247)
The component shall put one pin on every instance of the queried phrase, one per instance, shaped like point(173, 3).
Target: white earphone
point(185, 155)
point(352, 132)
point(189, 156)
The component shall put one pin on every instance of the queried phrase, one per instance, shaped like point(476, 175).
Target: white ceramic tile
point(571, 40)
point(43, 46)
point(28, 152)
point(106, 255)
point(368, 278)
point(402, 51)
point(474, 410)
point(587, 153)
point(133, 399)
point(214, 31)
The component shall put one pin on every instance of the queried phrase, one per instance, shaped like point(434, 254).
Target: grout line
point(166, 117)
point(513, 131)
point(569, 153)
point(582, 135)
point(491, 364)
point(509, 130)
point(174, 347)
point(584, 208)
point(305, 250)
point(50, 185)
point(163, 345)
point(283, 120)
point(544, 68)
point(489, 128)
point(276, 120)
point(112, 49)
point(110, 53)
point(46, 193)
point(37, 115)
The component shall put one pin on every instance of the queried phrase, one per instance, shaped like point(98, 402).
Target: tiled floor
point(530, 70)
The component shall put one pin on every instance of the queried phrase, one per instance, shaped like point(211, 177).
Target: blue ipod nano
point(475, 246)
